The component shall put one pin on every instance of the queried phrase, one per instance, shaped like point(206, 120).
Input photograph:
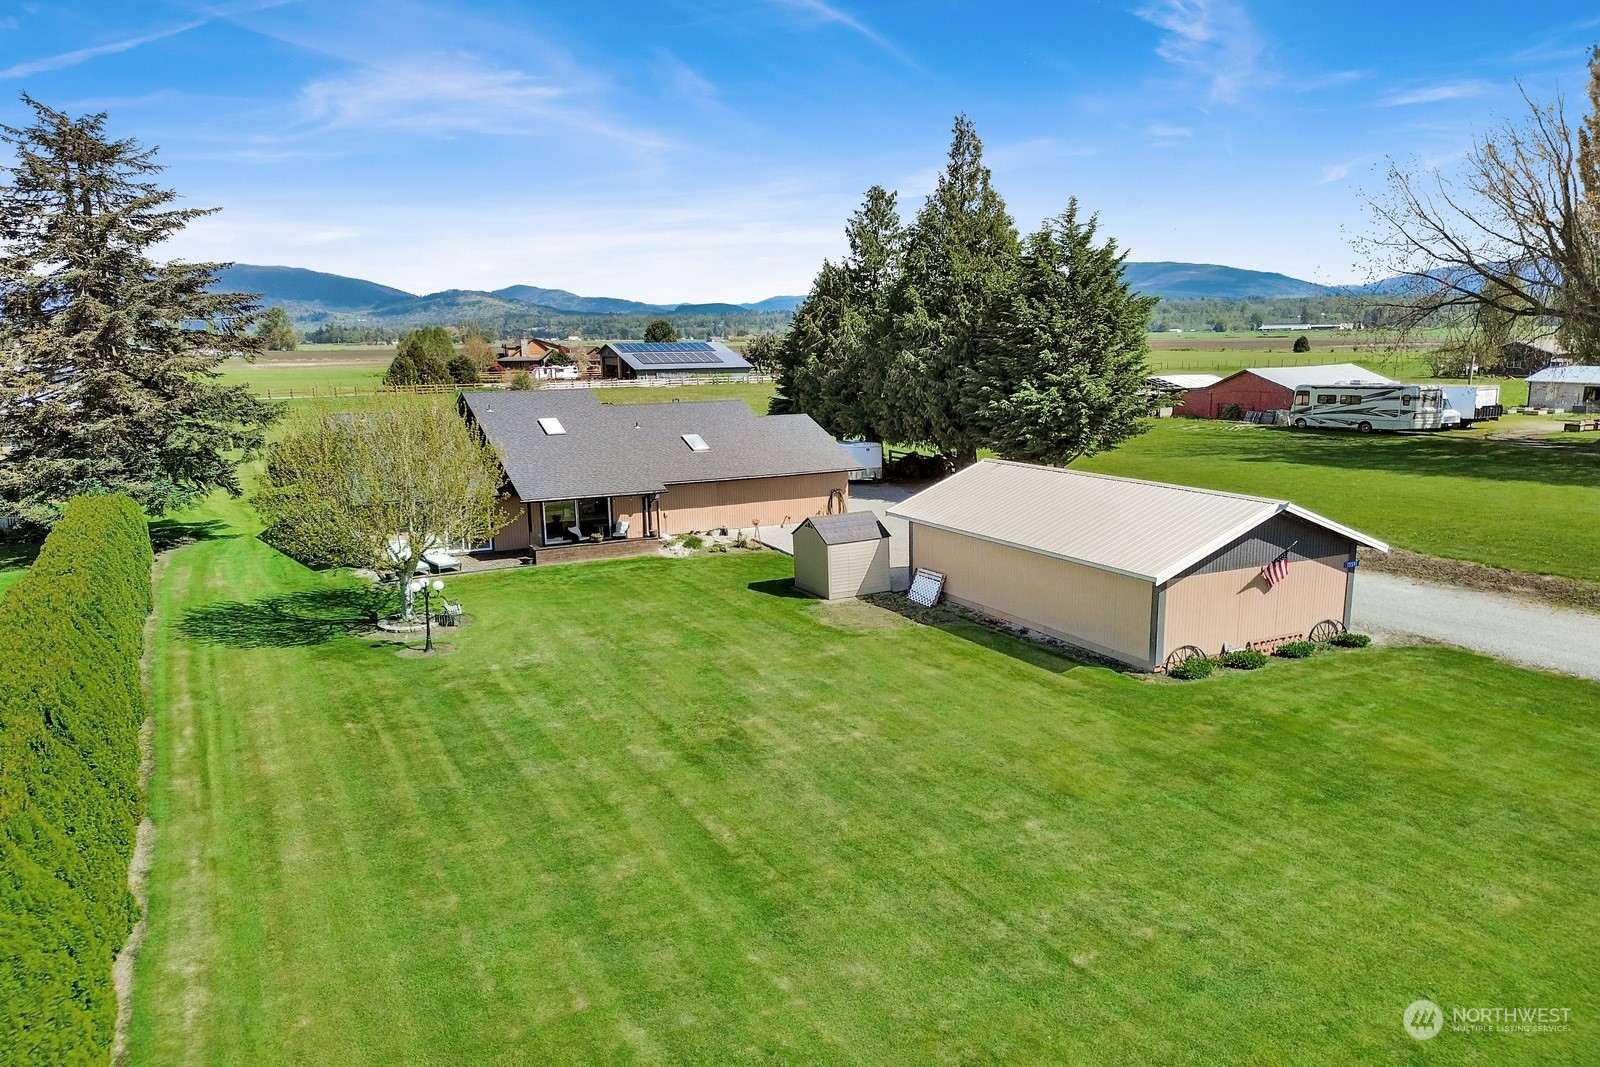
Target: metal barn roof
point(1182, 381)
point(1576, 374)
point(1147, 530)
point(848, 528)
point(1324, 374)
point(655, 357)
point(623, 449)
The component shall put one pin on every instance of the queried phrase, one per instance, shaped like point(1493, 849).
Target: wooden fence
point(500, 382)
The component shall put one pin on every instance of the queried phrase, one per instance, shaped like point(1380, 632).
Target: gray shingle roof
point(623, 449)
point(847, 528)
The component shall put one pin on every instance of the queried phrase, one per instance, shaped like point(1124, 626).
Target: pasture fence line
point(319, 392)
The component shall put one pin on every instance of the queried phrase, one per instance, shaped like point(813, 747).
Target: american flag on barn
point(1278, 569)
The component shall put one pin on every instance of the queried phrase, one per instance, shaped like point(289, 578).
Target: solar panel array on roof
point(666, 359)
point(701, 347)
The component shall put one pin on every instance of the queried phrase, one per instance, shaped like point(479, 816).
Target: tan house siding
point(629, 509)
point(513, 518)
point(1237, 606)
point(748, 502)
point(1094, 609)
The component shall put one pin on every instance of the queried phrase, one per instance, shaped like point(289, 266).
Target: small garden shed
point(837, 557)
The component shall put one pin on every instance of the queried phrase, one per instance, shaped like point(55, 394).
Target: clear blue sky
point(668, 150)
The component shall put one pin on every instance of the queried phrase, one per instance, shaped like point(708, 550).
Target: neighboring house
point(1268, 388)
point(585, 478)
point(655, 359)
point(1568, 387)
point(542, 358)
point(1130, 569)
point(1525, 357)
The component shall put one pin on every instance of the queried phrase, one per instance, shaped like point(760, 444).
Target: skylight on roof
point(552, 427)
point(696, 443)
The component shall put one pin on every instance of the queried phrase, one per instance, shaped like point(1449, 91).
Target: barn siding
point(748, 502)
point(1246, 390)
point(1210, 608)
point(513, 518)
point(1107, 613)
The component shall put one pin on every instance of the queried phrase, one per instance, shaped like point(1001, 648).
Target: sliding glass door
point(567, 522)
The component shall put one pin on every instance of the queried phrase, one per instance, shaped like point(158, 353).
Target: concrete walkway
point(1393, 609)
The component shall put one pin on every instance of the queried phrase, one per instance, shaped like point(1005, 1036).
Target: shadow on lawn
point(779, 587)
point(171, 533)
point(1435, 455)
point(288, 620)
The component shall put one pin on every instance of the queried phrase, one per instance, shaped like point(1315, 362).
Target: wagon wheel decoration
point(1326, 630)
point(1183, 654)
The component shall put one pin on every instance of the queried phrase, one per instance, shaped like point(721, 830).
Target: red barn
point(1267, 388)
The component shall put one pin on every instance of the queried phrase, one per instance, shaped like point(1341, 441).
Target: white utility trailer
point(1473, 402)
point(870, 455)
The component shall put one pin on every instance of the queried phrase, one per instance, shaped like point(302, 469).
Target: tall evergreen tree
point(1062, 350)
point(108, 359)
point(958, 254)
point(833, 361)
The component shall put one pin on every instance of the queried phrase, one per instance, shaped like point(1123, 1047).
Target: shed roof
point(655, 357)
point(623, 449)
point(1575, 374)
point(1182, 381)
point(1323, 374)
point(848, 528)
point(1147, 530)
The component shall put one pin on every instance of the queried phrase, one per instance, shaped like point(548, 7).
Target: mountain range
point(313, 296)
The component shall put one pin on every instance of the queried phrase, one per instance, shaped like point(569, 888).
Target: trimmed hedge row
point(71, 634)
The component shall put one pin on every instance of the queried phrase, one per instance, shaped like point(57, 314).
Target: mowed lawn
point(1446, 494)
point(661, 811)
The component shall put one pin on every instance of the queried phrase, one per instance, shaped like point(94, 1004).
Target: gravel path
point(1391, 608)
point(1521, 631)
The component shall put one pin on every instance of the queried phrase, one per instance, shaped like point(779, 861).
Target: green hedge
point(71, 634)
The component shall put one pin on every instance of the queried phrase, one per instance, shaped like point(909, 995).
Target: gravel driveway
point(1510, 628)
point(1391, 608)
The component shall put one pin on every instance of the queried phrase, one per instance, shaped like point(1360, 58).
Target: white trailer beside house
point(1365, 407)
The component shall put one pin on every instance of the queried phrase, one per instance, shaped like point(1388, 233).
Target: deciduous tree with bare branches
point(1508, 245)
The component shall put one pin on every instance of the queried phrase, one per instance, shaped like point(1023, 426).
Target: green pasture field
point(320, 370)
point(665, 811)
point(1446, 494)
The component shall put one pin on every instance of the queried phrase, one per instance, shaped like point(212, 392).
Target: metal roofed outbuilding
point(1126, 568)
point(1572, 387)
point(648, 359)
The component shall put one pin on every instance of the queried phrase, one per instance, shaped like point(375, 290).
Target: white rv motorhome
point(1366, 406)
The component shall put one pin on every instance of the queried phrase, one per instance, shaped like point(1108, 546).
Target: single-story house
point(837, 557)
point(1129, 569)
point(1567, 387)
point(584, 478)
point(1525, 357)
point(1268, 388)
point(654, 359)
point(542, 358)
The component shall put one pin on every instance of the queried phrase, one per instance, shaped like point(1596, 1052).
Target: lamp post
point(427, 589)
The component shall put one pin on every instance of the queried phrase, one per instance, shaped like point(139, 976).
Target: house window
point(567, 522)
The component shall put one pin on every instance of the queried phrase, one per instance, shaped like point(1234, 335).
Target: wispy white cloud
point(825, 12)
point(1167, 132)
point(1028, 153)
point(1332, 79)
point(454, 93)
point(1214, 39)
point(30, 67)
point(1336, 172)
point(684, 81)
point(9, 24)
point(1433, 94)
